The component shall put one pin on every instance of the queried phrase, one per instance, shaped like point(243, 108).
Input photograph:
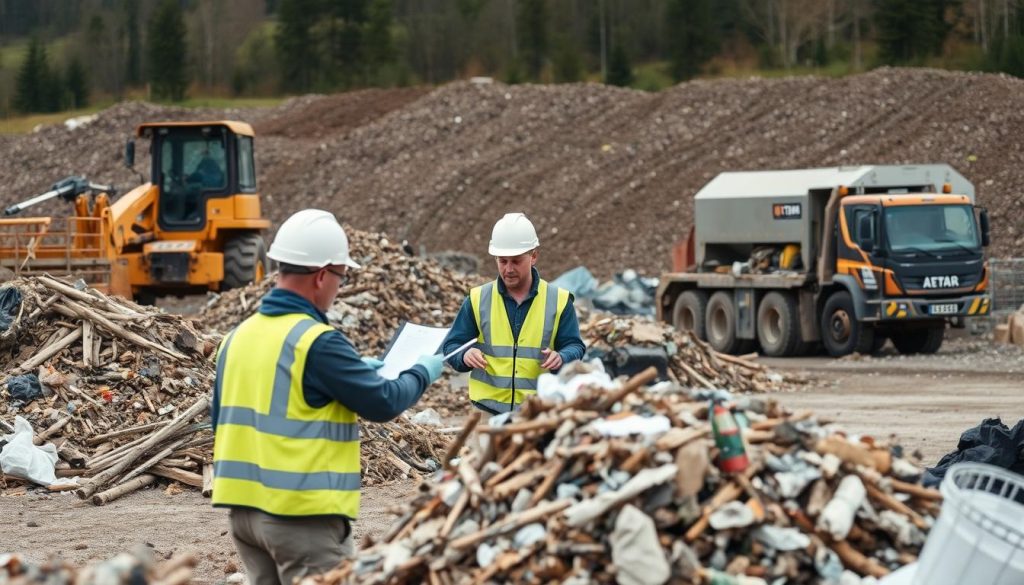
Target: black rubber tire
point(689, 312)
point(720, 323)
point(778, 325)
point(924, 340)
point(145, 297)
point(245, 261)
point(841, 332)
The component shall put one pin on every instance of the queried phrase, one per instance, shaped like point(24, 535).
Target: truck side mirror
point(129, 153)
point(865, 233)
point(986, 239)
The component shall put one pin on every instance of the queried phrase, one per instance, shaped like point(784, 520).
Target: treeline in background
point(67, 54)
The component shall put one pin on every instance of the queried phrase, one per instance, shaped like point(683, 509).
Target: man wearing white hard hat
point(523, 325)
point(289, 392)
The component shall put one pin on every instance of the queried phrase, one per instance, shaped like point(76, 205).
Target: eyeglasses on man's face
point(342, 276)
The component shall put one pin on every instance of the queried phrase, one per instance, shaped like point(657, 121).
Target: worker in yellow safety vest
point(522, 325)
point(289, 392)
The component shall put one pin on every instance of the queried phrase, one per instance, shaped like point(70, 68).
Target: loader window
point(193, 164)
point(246, 168)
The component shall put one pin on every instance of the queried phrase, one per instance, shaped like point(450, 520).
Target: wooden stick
point(540, 424)
point(693, 374)
point(47, 353)
point(90, 488)
point(50, 430)
point(524, 459)
point(557, 466)
point(453, 515)
point(511, 522)
point(151, 461)
point(453, 449)
point(631, 385)
point(75, 310)
point(724, 495)
point(918, 491)
point(875, 493)
point(97, 439)
point(122, 489)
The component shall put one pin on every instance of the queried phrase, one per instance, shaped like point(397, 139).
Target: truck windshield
point(931, 228)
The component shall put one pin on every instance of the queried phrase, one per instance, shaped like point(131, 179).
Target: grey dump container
point(738, 211)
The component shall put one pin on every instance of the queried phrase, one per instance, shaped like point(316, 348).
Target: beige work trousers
point(280, 551)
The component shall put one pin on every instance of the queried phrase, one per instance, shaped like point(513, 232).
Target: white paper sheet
point(409, 343)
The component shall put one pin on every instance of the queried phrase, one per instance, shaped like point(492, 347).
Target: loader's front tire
point(245, 261)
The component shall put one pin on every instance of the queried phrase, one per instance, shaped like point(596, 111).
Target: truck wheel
point(927, 340)
point(689, 311)
point(778, 328)
point(720, 323)
point(245, 261)
point(841, 332)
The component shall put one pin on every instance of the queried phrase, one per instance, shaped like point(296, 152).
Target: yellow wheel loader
point(195, 226)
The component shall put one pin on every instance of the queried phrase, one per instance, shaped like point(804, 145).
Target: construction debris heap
point(620, 482)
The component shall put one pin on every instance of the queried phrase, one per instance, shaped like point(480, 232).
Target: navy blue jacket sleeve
point(462, 331)
point(568, 342)
point(334, 371)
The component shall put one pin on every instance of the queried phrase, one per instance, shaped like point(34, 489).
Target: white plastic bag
point(20, 458)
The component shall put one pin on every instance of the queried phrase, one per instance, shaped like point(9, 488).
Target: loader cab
point(194, 162)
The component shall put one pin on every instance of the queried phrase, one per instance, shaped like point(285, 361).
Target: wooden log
point(460, 440)
point(557, 466)
point(87, 344)
point(51, 430)
point(117, 491)
point(918, 491)
point(207, 480)
point(100, 479)
point(694, 375)
point(454, 514)
point(876, 494)
point(179, 475)
point(632, 385)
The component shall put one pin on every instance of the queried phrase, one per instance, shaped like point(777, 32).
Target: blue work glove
point(434, 364)
point(373, 362)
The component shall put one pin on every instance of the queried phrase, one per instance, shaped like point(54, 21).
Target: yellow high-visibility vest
point(272, 450)
point(513, 365)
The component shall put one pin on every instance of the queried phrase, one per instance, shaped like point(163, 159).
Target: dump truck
point(194, 226)
point(843, 257)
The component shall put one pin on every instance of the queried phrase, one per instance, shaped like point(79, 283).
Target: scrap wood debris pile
point(690, 361)
point(122, 392)
point(136, 568)
point(391, 287)
point(621, 482)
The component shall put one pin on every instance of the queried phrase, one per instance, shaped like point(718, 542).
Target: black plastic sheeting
point(10, 302)
point(25, 388)
point(990, 442)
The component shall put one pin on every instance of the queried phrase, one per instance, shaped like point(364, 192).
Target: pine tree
point(77, 84)
point(692, 40)
point(911, 30)
point(133, 60)
point(30, 92)
point(620, 72)
point(296, 51)
point(166, 52)
point(533, 35)
point(380, 49)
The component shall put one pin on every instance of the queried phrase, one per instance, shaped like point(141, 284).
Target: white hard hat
point(513, 235)
point(311, 237)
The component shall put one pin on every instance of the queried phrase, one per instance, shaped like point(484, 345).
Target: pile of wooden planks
point(555, 495)
point(123, 391)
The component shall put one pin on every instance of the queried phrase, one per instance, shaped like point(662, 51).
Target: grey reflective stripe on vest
point(277, 421)
point(550, 310)
point(493, 407)
point(285, 427)
point(283, 371)
point(506, 351)
point(286, 480)
point(485, 311)
point(222, 358)
point(504, 382)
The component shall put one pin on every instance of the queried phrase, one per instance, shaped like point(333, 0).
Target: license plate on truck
point(944, 309)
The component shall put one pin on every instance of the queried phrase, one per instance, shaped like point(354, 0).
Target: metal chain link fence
point(1006, 284)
